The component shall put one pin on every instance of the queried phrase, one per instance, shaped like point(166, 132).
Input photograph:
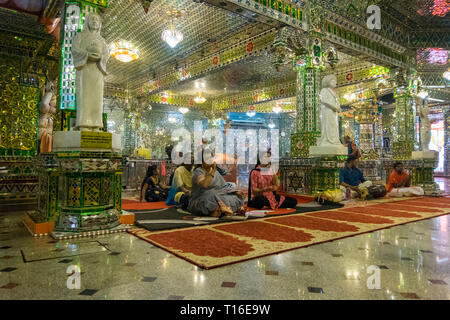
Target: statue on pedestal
point(90, 56)
point(329, 113)
point(425, 127)
point(47, 108)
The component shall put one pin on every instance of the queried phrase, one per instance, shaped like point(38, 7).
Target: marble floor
point(412, 261)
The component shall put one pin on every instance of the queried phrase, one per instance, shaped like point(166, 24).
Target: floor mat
point(175, 218)
point(300, 198)
point(216, 245)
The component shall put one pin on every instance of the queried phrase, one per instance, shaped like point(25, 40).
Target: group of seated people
point(354, 185)
point(203, 190)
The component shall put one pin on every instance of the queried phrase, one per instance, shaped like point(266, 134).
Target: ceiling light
point(183, 110)
point(124, 51)
point(172, 120)
point(423, 94)
point(199, 98)
point(251, 114)
point(276, 109)
point(271, 125)
point(172, 36)
point(447, 75)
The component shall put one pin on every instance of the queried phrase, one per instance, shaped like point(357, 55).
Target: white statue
point(329, 113)
point(47, 108)
point(425, 127)
point(90, 55)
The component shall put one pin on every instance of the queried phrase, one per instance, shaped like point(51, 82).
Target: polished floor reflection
point(412, 261)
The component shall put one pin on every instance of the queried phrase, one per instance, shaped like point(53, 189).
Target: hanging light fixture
point(277, 108)
point(171, 35)
point(124, 51)
point(199, 98)
point(422, 94)
point(446, 75)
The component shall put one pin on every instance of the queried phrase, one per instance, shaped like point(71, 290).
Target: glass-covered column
point(287, 126)
point(308, 67)
point(404, 133)
point(366, 116)
point(307, 121)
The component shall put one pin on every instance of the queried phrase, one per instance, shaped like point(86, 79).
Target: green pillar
point(404, 132)
point(308, 68)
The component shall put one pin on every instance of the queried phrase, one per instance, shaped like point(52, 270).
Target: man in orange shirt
point(399, 183)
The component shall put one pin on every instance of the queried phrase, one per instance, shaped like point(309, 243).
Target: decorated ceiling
point(203, 26)
point(214, 31)
point(420, 13)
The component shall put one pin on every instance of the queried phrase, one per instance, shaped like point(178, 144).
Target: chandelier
point(446, 75)
point(277, 109)
point(171, 35)
point(422, 94)
point(124, 51)
point(199, 98)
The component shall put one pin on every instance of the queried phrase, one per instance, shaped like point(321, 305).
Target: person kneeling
point(399, 183)
point(262, 186)
point(353, 179)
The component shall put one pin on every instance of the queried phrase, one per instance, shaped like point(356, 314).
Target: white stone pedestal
point(420, 155)
point(89, 141)
point(320, 151)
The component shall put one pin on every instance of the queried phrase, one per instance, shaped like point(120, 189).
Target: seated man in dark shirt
point(352, 178)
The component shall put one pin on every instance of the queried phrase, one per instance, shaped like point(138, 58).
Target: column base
point(86, 141)
point(72, 235)
point(80, 191)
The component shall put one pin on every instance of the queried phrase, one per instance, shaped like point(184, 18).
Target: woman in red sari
point(262, 186)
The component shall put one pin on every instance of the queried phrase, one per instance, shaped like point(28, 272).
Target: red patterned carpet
point(222, 244)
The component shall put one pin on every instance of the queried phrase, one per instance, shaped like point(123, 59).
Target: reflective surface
point(413, 262)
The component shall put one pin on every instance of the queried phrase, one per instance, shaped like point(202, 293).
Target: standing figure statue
point(47, 108)
point(425, 127)
point(329, 113)
point(90, 56)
